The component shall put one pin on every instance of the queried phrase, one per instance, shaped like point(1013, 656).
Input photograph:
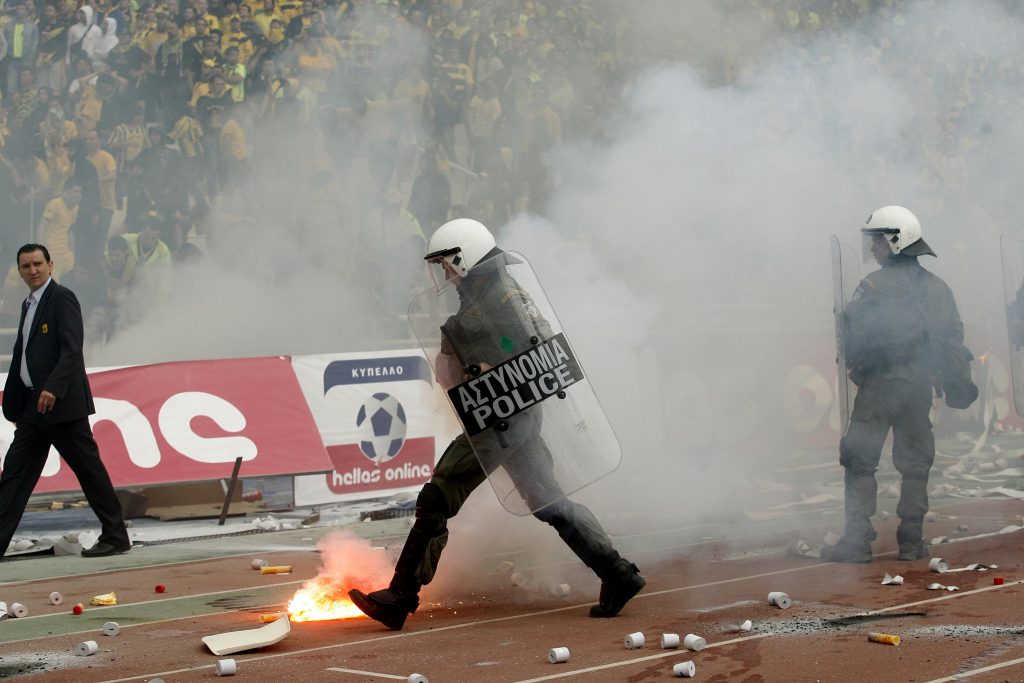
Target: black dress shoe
point(102, 549)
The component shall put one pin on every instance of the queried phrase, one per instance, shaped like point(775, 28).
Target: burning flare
point(348, 562)
point(321, 599)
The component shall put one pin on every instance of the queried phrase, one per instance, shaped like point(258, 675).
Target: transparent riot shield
point(1012, 251)
point(513, 379)
point(845, 278)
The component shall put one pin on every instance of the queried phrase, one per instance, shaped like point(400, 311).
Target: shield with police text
point(1012, 251)
point(515, 383)
point(845, 278)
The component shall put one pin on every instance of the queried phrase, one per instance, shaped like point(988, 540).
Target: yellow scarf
point(19, 41)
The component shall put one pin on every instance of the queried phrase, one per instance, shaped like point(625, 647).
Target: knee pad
point(432, 507)
point(852, 461)
point(556, 514)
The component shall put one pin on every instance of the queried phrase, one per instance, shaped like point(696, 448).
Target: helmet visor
point(443, 267)
point(876, 243)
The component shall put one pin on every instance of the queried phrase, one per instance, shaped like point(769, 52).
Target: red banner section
point(178, 422)
point(353, 473)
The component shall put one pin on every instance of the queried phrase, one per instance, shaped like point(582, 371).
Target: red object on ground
point(160, 588)
point(998, 581)
point(77, 609)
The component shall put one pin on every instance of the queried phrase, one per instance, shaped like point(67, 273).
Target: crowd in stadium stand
point(131, 129)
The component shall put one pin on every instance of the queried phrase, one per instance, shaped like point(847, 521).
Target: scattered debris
point(251, 639)
point(939, 586)
point(105, 599)
point(684, 670)
point(694, 642)
point(884, 638)
point(634, 640)
point(892, 580)
point(276, 569)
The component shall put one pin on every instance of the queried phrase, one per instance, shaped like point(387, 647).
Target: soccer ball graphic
point(381, 424)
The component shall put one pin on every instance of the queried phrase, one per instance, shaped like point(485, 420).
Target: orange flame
point(983, 357)
point(321, 600)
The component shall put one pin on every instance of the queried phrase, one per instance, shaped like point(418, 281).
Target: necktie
point(26, 327)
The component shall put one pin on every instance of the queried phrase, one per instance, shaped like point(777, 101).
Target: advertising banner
point(188, 421)
point(383, 419)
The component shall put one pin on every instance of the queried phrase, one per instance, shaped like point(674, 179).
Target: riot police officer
point(487, 328)
point(902, 332)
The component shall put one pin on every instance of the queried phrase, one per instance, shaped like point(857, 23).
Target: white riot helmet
point(455, 248)
point(898, 228)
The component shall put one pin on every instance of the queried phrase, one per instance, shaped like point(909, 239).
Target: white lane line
point(630, 662)
point(161, 565)
point(960, 675)
point(499, 620)
point(96, 608)
point(948, 596)
point(374, 674)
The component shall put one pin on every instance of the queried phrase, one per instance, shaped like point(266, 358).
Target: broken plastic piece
point(251, 639)
point(105, 599)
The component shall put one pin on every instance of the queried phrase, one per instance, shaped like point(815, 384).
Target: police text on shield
point(537, 374)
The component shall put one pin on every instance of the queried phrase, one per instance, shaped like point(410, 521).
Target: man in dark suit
point(47, 396)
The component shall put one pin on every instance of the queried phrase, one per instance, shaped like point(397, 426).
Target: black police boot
point(913, 550)
point(387, 606)
point(909, 536)
point(617, 588)
point(848, 550)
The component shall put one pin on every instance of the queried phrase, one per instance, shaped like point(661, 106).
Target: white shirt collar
point(38, 294)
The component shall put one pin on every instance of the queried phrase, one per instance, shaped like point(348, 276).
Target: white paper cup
point(87, 648)
point(417, 678)
point(226, 667)
point(937, 564)
point(258, 564)
point(694, 642)
point(684, 670)
point(111, 628)
point(780, 599)
point(669, 641)
point(56, 598)
point(634, 640)
point(18, 610)
point(560, 591)
point(556, 655)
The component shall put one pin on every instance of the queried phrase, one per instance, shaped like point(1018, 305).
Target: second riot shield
point(524, 402)
point(845, 278)
point(1012, 252)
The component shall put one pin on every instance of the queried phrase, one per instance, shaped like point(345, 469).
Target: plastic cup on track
point(684, 670)
point(556, 655)
point(634, 640)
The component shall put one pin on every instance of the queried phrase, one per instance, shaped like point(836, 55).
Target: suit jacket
point(55, 360)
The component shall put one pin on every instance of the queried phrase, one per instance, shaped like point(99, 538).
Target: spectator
point(152, 278)
point(78, 32)
point(106, 170)
point(22, 37)
point(431, 194)
point(55, 228)
point(98, 46)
